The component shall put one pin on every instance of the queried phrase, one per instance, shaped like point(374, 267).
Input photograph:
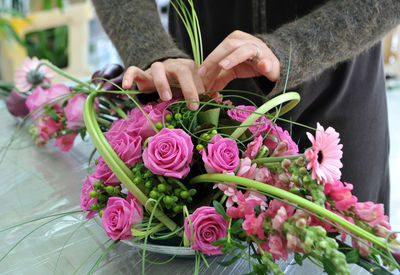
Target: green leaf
point(231, 261)
point(238, 244)
point(219, 242)
point(353, 256)
point(237, 226)
point(53, 115)
point(220, 209)
point(329, 267)
point(83, 134)
point(209, 116)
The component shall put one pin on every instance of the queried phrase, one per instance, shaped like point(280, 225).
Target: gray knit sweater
point(336, 31)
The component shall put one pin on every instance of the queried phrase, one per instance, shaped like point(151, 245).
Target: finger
point(143, 79)
point(270, 68)
point(240, 55)
point(210, 67)
point(188, 87)
point(160, 81)
point(225, 76)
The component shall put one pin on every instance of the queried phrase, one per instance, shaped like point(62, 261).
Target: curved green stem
point(123, 173)
point(293, 99)
point(61, 72)
point(294, 199)
point(120, 112)
point(275, 159)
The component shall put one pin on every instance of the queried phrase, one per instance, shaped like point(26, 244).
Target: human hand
point(161, 74)
point(240, 55)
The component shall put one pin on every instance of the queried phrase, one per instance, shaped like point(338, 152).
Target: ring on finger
point(255, 58)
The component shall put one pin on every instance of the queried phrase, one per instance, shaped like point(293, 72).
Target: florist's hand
point(240, 55)
point(161, 74)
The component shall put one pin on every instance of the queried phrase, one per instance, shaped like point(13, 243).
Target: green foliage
point(220, 209)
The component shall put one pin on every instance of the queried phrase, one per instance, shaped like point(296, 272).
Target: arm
point(335, 32)
point(135, 29)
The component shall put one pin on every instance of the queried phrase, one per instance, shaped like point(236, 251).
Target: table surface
point(39, 182)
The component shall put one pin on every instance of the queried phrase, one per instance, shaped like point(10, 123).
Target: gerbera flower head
point(324, 155)
point(28, 77)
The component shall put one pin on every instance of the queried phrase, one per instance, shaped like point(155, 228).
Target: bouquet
point(223, 179)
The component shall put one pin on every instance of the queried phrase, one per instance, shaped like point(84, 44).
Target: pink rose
point(169, 153)
point(65, 143)
point(102, 171)
point(138, 124)
point(116, 128)
point(119, 216)
point(128, 149)
point(277, 134)
point(74, 111)
point(86, 200)
point(241, 116)
point(208, 226)
point(223, 155)
point(253, 147)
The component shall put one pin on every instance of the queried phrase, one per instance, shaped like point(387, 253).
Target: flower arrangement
point(223, 179)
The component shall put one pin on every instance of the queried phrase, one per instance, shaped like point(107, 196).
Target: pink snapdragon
point(276, 135)
point(222, 155)
point(245, 206)
point(47, 127)
point(371, 213)
point(277, 246)
point(120, 215)
point(208, 226)
point(279, 212)
point(74, 111)
point(341, 194)
point(253, 225)
point(253, 147)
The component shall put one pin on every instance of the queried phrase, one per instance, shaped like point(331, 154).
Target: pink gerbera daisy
point(324, 155)
point(27, 77)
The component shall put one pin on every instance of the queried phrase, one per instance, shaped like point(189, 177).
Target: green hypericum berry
point(101, 213)
point(214, 132)
point(135, 169)
point(170, 126)
point(178, 116)
point(177, 191)
point(159, 125)
point(168, 117)
point(148, 184)
point(110, 189)
point(192, 192)
point(162, 187)
point(199, 147)
point(303, 171)
point(148, 174)
point(93, 194)
point(94, 207)
point(177, 208)
point(168, 200)
point(153, 194)
point(97, 185)
point(184, 194)
point(137, 180)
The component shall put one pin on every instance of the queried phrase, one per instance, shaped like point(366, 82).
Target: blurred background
point(67, 33)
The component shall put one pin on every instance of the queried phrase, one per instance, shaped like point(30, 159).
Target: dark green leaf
point(220, 209)
point(238, 244)
point(231, 261)
point(210, 116)
point(219, 242)
point(237, 226)
point(83, 134)
point(53, 115)
point(329, 267)
point(352, 257)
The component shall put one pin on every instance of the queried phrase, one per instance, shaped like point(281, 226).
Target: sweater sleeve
point(334, 32)
point(136, 31)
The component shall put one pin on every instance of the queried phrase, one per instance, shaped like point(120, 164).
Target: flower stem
point(123, 173)
point(293, 99)
point(294, 199)
point(275, 159)
point(61, 72)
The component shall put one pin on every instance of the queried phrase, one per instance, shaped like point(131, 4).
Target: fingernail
point(166, 95)
point(202, 71)
point(224, 63)
point(126, 83)
point(193, 106)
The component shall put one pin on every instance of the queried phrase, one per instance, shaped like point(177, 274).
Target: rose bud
point(15, 103)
